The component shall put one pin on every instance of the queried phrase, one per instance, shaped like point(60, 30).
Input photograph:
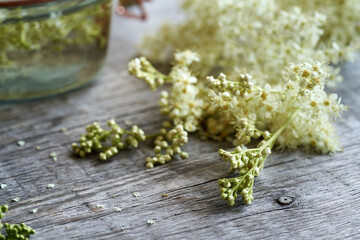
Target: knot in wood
point(285, 200)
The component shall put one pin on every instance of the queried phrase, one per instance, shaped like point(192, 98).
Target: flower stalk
point(249, 163)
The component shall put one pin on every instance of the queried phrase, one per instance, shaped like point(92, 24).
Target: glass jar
point(50, 46)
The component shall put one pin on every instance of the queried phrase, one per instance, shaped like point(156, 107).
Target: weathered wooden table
point(324, 191)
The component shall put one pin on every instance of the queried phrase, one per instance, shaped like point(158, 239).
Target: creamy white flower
point(262, 36)
point(186, 57)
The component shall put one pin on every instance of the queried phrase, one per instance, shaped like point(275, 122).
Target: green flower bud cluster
point(249, 163)
point(14, 231)
point(142, 68)
point(168, 144)
point(240, 87)
point(107, 142)
point(229, 189)
point(242, 159)
point(3, 209)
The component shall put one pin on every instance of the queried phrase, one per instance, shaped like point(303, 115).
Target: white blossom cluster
point(343, 19)
point(252, 110)
point(142, 68)
point(295, 112)
point(183, 104)
point(263, 36)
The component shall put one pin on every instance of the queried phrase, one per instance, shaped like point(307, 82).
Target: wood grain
point(324, 190)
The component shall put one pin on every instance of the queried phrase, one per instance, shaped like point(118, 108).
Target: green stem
point(271, 143)
point(279, 131)
point(152, 135)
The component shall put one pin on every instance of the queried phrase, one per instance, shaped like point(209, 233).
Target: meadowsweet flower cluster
point(168, 144)
point(261, 70)
point(182, 104)
point(14, 231)
point(249, 163)
point(262, 36)
point(252, 109)
point(295, 112)
point(145, 71)
point(107, 142)
point(342, 23)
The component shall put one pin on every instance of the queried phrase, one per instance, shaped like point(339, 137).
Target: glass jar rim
point(17, 3)
point(42, 9)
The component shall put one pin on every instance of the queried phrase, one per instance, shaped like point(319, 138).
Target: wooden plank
point(324, 189)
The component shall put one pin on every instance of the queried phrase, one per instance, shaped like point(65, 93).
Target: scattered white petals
point(53, 154)
point(136, 194)
point(117, 209)
point(3, 186)
point(50, 186)
point(21, 143)
point(35, 210)
point(150, 222)
point(15, 199)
